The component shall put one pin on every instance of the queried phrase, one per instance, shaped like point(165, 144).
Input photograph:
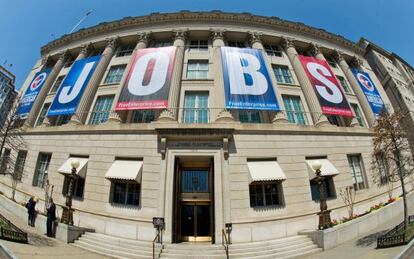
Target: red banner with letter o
point(326, 86)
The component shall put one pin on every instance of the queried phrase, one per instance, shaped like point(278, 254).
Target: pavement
point(40, 246)
point(364, 247)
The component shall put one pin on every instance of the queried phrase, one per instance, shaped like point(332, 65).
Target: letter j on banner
point(246, 80)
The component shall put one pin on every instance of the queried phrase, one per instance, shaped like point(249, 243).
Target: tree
point(11, 142)
point(348, 195)
point(391, 145)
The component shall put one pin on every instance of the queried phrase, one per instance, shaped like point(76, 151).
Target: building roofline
point(10, 74)
point(216, 16)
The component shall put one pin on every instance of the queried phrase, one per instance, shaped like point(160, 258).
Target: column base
point(26, 126)
point(323, 122)
point(224, 116)
point(166, 116)
point(74, 120)
point(280, 118)
point(67, 215)
point(45, 123)
point(355, 123)
point(114, 118)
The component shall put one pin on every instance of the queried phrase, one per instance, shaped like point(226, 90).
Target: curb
point(408, 248)
point(7, 252)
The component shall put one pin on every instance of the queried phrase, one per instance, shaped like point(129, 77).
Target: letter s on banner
point(247, 83)
point(147, 85)
point(326, 86)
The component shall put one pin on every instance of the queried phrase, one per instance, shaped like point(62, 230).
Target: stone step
point(120, 243)
point(193, 251)
point(281, 241)
point(271, 250)
point(287, 254)
point(115, 239)
point(246, 249)
point(109, 252)
point(132, 250)
point(274, 252)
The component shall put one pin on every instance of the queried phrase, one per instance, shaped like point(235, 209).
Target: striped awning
point(265, 171)
point(66, 168)
point(125, 170)
point(327, 169)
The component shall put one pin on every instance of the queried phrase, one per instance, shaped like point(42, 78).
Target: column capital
point(180, 35)
point(46, 59)
point(254, 37)
point(64, 55)
point(338, 56)
point(112, 42)
point(356, 62)
point(217, 34)
point(287, 43)
point(314, 49)
point(144, 37)
point(86, 48)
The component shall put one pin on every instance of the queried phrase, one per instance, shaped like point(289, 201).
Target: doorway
point(193, 202)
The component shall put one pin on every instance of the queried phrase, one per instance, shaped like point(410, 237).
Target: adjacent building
point(203, 119)
point(7, 93)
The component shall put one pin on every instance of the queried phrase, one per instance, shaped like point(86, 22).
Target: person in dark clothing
point(51, 217)
point(31, 211)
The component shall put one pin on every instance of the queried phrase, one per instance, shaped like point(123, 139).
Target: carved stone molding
point(163, 147)
point(166, 116)
point(226, 147)
point(112, 42)
point(46, 59)
point(144, 37)
point(224, 116)
point(287, 43)
point(254, 37)
point(314, 49)
point(86, 48)
point(216, 34)
point(180, 35)
point(338, 56)
point(114, 118)
point(356, 62)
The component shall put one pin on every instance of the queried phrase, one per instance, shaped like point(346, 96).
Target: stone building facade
point(195, 163)
point(7, 93)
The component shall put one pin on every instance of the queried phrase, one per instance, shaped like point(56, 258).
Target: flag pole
point(81, 20)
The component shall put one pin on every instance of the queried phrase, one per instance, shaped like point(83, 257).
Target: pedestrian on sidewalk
point(31, 211)
point(51, 217)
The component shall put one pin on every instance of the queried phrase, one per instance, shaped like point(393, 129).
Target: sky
point(27, 25)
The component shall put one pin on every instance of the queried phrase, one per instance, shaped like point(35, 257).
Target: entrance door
point(194, 215)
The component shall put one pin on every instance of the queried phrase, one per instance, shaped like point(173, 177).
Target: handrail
point(157, 237)
point(225, 242)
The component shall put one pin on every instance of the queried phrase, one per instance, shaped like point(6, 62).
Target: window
point(294, 110)
point(344, 84)
point(272, 50)
point(238, 44)
point(246, 116)
point(143, 116)
point(100, 113)
point(283, 75)
point(5, 161)
point(77, 189)
point(383, 168)
point(43, 113)
point(19, 167)
point(196, 108)
point(265, 194)
point(328, 187)
point(194, 181)
point(358, 114)
point(357, 173)
point(115, 74)
point(124, 51)
point(126, 193)
point(198, 45)
point(57, 84)
point(162, 44)
point(40, 175)
point(197, 69)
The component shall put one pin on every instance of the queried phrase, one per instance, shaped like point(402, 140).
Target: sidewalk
point(364, 247)
point(41, 246)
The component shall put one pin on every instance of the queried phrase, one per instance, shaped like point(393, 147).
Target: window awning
point(265, 171)
point(125, 170)
point(66, 168)
point(327, 169)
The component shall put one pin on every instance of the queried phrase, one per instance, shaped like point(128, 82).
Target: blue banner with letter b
point(70, 92)
point(247, 82)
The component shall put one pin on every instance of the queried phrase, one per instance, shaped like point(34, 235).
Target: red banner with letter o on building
point(326, 86)
point(147, 85)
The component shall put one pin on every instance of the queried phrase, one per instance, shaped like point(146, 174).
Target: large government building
point(203, 119)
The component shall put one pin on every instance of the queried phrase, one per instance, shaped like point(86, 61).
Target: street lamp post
point(324, 214)
point(67, 213)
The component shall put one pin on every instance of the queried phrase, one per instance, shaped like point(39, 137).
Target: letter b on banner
point(246, 80)
point(244, 74)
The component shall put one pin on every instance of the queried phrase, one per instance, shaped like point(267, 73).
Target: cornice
point(213, 17)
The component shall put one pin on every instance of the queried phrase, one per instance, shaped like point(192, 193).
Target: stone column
point(143, 39)
point(256, 43)
point(366, 109)
point(41, 96)
point(219, 113)
point(319, 119)
point(90, 90)
point(173, 99)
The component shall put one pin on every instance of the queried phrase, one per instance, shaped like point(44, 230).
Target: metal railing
point(157, 239)
point(392, 238)
point(225, 242)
